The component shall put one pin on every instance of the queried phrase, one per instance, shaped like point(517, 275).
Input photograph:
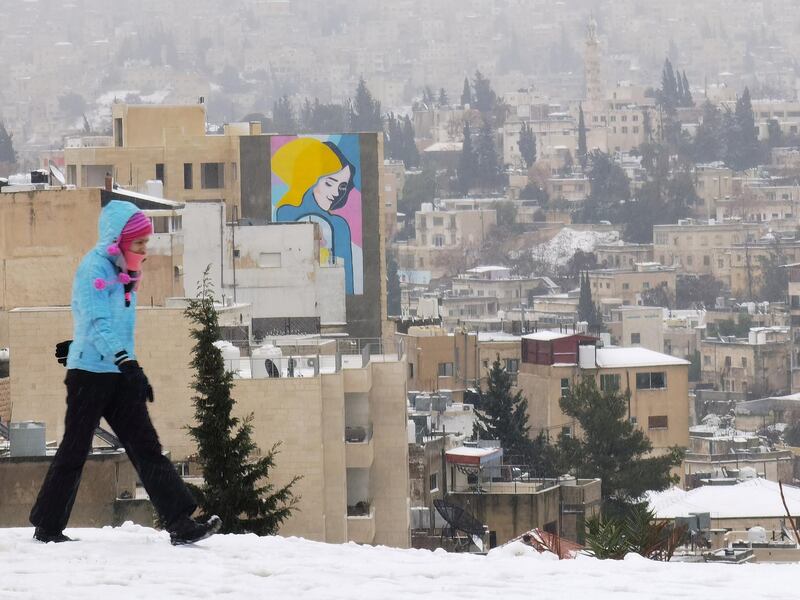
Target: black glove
point(136, 381)
point(62, 349)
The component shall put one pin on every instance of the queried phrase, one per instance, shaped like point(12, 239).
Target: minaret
point(591, 59)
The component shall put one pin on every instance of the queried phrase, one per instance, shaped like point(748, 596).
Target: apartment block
point(629, 285)
point(552, 363)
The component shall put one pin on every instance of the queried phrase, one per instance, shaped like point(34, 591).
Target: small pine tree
point(527, 145)
point(8, 155)
point(443, 99)
point(467, 163)
point(583, 155)
point(236, 486)
point(365, 113)
point(503, 416)
point(393, 293)
point(489, 168)
point(466, 94)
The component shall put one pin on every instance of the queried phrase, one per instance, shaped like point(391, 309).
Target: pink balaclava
point(137, 226)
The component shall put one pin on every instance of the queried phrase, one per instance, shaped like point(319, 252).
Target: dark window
point(564, 386)
point(446, 369)
point(512, 365)
point(118, 133)
point(212, 176)
point(433, 482)
point(411, 370)
point(657, 422)
point(160, 172)
point(651, 381)
point(187, 176)
point(609, 383)
point(636, 338)
point(566, 431)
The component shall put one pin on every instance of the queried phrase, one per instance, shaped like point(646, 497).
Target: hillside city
point(499, 277)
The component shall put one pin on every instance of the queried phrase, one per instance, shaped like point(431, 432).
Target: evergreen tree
point(527, 145)
point(236, 484)
point(443, 99)
point(489, 168)
point(610, 446)
point(709, 140)
point(283, 118)
point(744, 154)
point(668, 95)
point(410, 151)
point(583, 156)
point(365, 113)
point(609, 187)
point(485, 98)
point(8, 156)
point(687, 93)
point(467, 163)
point(774, 134)
point(466, 94)
point(503, 416)
point(587, 310)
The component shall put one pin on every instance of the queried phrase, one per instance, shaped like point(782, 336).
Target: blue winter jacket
point(102, 324)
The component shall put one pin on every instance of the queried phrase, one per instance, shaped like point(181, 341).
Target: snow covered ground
point(566, 242)
point(136, 562)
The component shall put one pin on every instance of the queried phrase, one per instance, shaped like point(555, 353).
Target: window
point(118, 133)
point(438, 221)
point(160, 172)
point(212, 176)
point(160, 224)
point(635, 130)
point(485, 364)
point(626, 286)
point(564, 386)
point(512, 365)
point(411, 370)
point(727, 361)
point(438, 241)
point(433, 483)
point(689, 260)
point(234, 171)
point(566, 431)
point(269, 259)
point(744, 362)
point(720, 263)
point(706, 260)
point(657, 422)
point(636, 338)
point(625, 129)
point(446, 369)
point(651, 380)
point(707, 360)
point(188, 177)
point(646, 285)
point(609, 383)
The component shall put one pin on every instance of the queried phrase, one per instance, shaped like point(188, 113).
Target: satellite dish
point(56, 174)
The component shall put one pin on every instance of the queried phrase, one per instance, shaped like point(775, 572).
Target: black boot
point(188, 531)
point(48, 536)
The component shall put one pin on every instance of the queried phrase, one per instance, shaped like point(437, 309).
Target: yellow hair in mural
point(300, 164)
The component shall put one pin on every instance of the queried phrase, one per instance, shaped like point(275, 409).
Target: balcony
point(361, 527)
point(359, 448)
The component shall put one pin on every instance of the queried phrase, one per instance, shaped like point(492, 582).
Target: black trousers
point(91, 396)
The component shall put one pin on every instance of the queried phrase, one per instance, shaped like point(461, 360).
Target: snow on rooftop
point(610, 358)
point(753, 498)
point(133, 562)
point(487, 269)
point(472, 451)
point(497, 336)
point(566, 242)
point(546, 336)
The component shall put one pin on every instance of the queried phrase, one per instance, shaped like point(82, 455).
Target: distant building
point(631, 285)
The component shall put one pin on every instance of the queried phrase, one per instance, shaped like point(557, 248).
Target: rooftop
point(611, 358)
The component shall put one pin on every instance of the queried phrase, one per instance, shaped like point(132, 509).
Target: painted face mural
point(318, 179)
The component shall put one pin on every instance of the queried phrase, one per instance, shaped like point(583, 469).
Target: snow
point(611, 358)
point(753, 498)
point(546, 336)
point(132, 562)
point(566, 242)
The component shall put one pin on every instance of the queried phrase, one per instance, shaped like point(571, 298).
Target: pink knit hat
point(137, 226)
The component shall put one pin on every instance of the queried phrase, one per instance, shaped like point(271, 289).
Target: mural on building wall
point(318, 178)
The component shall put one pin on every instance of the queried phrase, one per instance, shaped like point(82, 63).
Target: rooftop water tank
point(230, 354)
point(27, 438)
point(260, 356)
point(757, 535)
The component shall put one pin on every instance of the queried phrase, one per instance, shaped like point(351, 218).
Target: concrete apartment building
point(714, 184)
point(628, 285)
point(44, 234)
point(758, 365)
point(637, 326)
point(445, 240)
point(698, 247)
point(553, 362)
point(342, 425)
point(623, 255)
point(498, 283)
point(746, 261)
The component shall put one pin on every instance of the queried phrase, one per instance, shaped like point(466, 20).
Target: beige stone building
point(794, 309)
point(45, 233)
point(637, 326)
point(445, 241)
point(715, 185)
point(757, 365)
point(623, 255)
point(498, 283)
point(553, 363)
point(342, 426)
point(629, 285)
point(700, 248)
